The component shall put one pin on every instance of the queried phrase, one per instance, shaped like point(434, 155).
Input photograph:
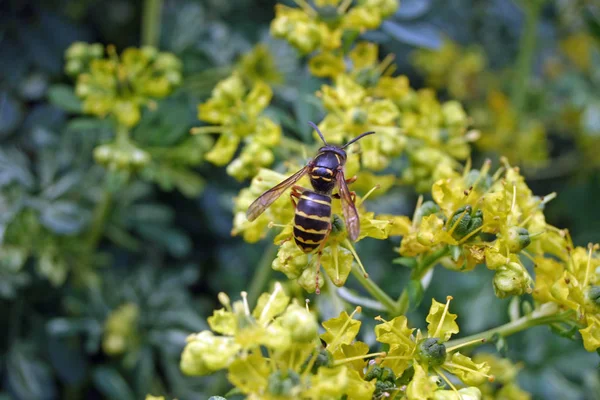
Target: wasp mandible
point(312, 219)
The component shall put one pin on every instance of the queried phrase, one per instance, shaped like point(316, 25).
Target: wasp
point(312, 218)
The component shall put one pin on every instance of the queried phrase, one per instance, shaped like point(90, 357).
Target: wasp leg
point(351, 180)
point(352, 196)
point(296, 193)
point(319, 254)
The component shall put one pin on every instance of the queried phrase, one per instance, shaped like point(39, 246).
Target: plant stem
point(547, 314)
point(262, 273)
point(419, 271)
point(374, 290)
point(527, 45)
point(99, 219)
point(151, 22)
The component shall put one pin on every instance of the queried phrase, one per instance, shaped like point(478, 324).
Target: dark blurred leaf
point(420, 34)
point(87, 124)
point(415, 293)
point(27, 377)
point(63, 217)
point(112, 384)
point(68, 360)
point(144, 371)
point(14, 167)
point(411, 9)
point(63, 96)
point(216, 398)
point(10, 114)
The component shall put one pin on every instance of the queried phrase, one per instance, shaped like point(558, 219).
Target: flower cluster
point(120, 329)
point(338, 253)
point(467, 205)
point(569, 276)
point(322, 28)
point(505, 128)
point(433, 135)
point(275, 352)
point(236, 110)
point(422, 360)
point(120, 85)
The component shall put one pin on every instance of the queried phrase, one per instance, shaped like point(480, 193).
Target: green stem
point(261, 274)
point(527, 46)
point(151, 22)
point(374, 290)
point(99, 220)
point(547, 314)
point(419, 271)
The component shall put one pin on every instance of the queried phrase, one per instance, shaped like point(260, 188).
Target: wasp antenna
point(316, 128)
point(357, 138)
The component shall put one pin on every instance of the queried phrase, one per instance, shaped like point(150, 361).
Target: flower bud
point(139, 158)
point(301, 323)
point(511, 280)
point(518, 239)
point(281, 384)
point(309, 278)
point(206, 353)
point(96, 50)
point(324, 359)
point(464, 221)
point(432, 351)
point(594, 294)
point(103, 154)
point(482, 183)
point(73, 67)
point(373, 373)
point(77, 50)
point(387, 375)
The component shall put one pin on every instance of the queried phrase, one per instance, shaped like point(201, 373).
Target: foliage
point(120, 230)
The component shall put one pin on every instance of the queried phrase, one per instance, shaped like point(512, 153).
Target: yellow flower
point(237, 109)
point(120, 330)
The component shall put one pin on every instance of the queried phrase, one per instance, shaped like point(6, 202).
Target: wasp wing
point(348, 207)
point(267, 198)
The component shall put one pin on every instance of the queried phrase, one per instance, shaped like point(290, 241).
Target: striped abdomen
point(312, 221)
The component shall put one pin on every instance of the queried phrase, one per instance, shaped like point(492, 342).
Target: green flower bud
point(329, 14)
point(301, 323)
point(406, 376)
point(149, 51)
point(324, 359)
point(77, 50)
point(481, 183)
point(103, 154)
point(464, 221)
point(373, 373)
point(382, 387)
point(511, 280)
point(432, 351)
point(139, 158)
point(359, 116)
point(518, 239)
point(73, 67)
point(387, 375)
point(96, 50)
point(280, 384)
point(594, 294)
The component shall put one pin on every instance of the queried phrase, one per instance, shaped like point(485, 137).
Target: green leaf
point(410, 262)
point(63, 96)
point(415, 293)
point(111, 384)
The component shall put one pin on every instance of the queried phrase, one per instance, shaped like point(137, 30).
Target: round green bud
point(77, 50)
point(428, 208)
point(103, 154)
point(329, 14)
point(373, 373)
point(432, 351)
point(324, 359)
point(73, 67)
point(139, 158)
point(387, 375)
point(281, 384)
point(482, 183)
point(511, 280)
point(382, 387)
point(517, 239)
point(301, 323)
point(464, 221)
point(337, 224)
point(149, 52)
point(594, 294)
point(96, 50)
point(359, 116)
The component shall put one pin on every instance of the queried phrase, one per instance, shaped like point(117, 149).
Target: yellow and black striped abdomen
point(312, 221)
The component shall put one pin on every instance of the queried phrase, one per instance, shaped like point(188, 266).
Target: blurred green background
point(167, 250)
